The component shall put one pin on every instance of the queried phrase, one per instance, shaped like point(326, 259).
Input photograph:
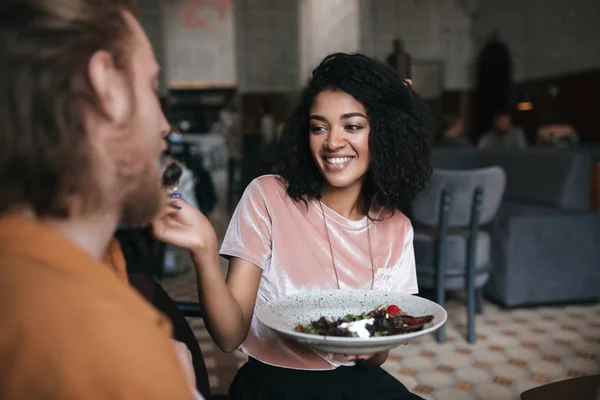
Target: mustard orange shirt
point(71, 328)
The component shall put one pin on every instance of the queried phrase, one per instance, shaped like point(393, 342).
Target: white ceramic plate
point(284, 314)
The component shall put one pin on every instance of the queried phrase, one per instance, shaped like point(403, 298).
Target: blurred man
point(81, 135)
point(401, 60)
point(503, 135)
point(231, 121)
point(450, 133)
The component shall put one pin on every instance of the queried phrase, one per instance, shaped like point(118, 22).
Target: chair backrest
point(182, 332)
point(461, 185)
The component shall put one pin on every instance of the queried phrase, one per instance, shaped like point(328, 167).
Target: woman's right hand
point(184, 226)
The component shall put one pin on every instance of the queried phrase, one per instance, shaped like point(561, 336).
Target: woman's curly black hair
point(398, 140)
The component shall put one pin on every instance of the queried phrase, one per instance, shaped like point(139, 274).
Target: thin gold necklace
point(337, 279)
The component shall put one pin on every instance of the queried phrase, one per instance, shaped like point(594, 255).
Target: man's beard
point(144, 200)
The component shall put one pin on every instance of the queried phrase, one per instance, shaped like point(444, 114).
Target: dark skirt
point(256, 380)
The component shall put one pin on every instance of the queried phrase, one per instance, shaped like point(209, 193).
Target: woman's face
point(339, 138)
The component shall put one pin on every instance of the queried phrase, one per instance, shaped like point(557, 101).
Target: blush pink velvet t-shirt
point(287, 240)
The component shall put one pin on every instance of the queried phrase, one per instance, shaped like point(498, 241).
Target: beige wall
point(150, 14)
point(434, 31)
point(199, 56)
point(327, 26)
point(267, 45)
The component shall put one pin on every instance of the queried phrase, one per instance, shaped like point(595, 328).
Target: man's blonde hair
point(45, 49)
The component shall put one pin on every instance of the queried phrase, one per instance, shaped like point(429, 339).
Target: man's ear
point(110, 86)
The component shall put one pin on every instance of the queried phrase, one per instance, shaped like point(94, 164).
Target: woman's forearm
point(222, 313)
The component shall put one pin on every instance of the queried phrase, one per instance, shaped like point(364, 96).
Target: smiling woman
point(362, 116)
point(354, 152)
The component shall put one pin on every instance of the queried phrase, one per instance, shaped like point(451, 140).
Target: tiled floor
point(516, 350)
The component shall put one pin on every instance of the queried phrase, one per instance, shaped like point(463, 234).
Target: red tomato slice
point(394, 310)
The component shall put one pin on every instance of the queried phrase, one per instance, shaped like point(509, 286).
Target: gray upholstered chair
point(451, 251)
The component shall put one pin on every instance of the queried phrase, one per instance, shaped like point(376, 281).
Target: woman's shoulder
point(394, 221)
point(268, 184)
point(269, 187)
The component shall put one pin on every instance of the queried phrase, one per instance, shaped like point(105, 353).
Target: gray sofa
point(545, 244)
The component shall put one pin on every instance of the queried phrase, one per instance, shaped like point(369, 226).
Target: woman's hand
point(182, 225)
point(364, 360)
point(372, 360)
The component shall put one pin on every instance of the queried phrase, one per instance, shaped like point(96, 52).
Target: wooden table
point(586, 388)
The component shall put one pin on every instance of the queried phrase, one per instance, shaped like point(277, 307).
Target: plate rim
point(381, 340)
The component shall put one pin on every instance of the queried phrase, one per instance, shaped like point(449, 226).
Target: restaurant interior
point(514, 258)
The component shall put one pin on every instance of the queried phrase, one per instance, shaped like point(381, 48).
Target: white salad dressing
point(359, 327)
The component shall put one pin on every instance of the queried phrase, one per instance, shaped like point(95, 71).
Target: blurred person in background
point(450, 133)
point(503, 135)
point(231, 123)
point(556, 131)
point(400, 60)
